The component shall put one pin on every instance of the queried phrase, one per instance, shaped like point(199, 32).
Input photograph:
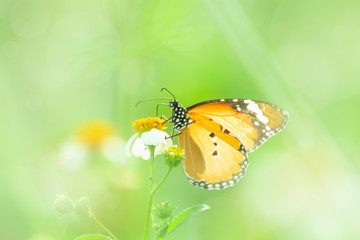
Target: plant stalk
point(93, 217)
point(151, 192)
point(153, 189)
point(162, 180)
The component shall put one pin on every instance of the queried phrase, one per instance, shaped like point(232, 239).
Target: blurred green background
point(66, 63)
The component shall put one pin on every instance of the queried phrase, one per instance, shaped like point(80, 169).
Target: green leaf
point(93, 237)
point(184, 215)
point(162, 232)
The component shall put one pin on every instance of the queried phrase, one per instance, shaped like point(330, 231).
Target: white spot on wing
point(263, 118)
point(252, 106)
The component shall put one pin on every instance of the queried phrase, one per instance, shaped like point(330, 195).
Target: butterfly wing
point(252, 122)
point(219, 136)
point(212, 161)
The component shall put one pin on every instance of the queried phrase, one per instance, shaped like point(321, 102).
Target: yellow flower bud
point(64, 205)
point(173, 156)
point(82, 207)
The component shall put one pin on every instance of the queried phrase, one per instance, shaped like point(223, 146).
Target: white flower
point(114, 150)
point(73, 155)
point(139, 142)
point(153, 137)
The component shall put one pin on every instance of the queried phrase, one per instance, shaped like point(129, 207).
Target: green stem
point(151, 192)
point(152, 164)
point(163, 180)
point(153, 189)
point(93, 217)
point(147, 224)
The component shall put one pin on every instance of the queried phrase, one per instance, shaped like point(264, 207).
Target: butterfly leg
point(163, 117)
point(172, 133)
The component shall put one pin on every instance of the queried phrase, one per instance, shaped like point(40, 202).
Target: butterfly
point(218, 134)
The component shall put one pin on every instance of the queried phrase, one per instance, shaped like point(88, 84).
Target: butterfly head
point(179, 117)
point(174, 104)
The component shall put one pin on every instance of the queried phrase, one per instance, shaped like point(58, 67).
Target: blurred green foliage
point(64, 63)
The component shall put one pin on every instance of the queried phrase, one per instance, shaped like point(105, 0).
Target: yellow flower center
point(94, 133)
point(173, 156)
point(146, 124)
point(174, 152)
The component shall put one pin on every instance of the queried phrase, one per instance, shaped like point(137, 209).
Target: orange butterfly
point(218, 134)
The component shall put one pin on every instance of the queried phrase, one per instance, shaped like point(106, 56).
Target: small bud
point(163, 210)
point(173, 156)
point(82, 207)
point(64, 205)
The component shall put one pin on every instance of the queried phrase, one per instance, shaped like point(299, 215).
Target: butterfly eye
point(174, 104)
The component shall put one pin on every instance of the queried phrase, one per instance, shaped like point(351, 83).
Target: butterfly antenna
point(152, 99)
point(169, 92)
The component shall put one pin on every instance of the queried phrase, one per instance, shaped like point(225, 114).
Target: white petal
point(140, 150)
point(138, 147)
point(145, 154)
point(130, 143)
point(167, 143)
point(153, 137)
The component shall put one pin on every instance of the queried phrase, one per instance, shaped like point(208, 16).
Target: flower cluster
point(95, 132)
point(173, 156)
point(148, 133)
point(92, 136)
point(65, 205)
point(147, 124)
point(149, 139)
